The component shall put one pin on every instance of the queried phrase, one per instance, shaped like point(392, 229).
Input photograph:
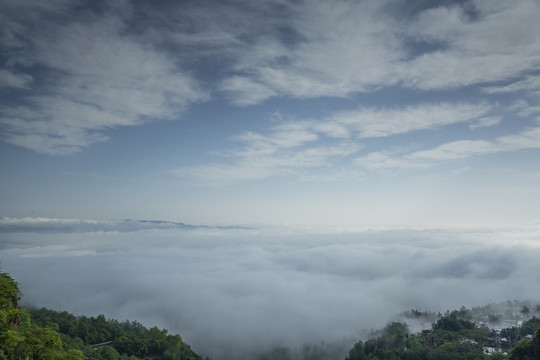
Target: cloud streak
point(293, 146)
point(130, 64)
point(456, 150)
point(371, 123)
point(439, 48)
point(98, 77)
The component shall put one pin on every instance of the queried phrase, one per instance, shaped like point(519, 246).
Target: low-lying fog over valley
point(236, 293)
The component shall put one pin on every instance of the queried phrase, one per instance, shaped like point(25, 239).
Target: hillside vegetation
point(47, 334)
point(452, 337)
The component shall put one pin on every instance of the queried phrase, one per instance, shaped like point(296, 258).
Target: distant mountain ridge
point(59, 225)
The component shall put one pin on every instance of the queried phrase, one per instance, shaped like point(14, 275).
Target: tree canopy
point(48, 334)
point(452, 337)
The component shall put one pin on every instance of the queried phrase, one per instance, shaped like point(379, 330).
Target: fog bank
point(238, 293)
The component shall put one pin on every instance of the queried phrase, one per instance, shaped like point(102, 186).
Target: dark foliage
point(48, 334)
point(120, 339)
point(452, 337)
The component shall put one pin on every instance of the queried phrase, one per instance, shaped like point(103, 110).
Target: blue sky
point(271, 112)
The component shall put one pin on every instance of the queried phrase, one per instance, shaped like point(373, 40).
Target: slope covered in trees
point(452, 337)
point(47, 334)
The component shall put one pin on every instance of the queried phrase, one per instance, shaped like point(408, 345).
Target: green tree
point(530, 326)
point(19, 338)
point(357, 352)
point(107, 353)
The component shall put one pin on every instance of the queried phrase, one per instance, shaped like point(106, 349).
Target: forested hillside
point(452, 337)
point(47, 334)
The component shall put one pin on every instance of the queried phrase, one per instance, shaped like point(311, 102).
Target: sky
point(339, 162)
point(390, 112)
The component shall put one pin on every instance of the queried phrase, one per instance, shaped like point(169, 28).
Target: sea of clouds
point(235, 293)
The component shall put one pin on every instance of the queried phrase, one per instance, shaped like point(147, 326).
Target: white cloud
point(461, 149)
point(367, 123)
point(280, 138)
point(497, 45)
point(255, 163)
point(287, 149)
point(103, 79)
point(524, 109)
point(486, 121)
point(332, 129)
point(380, 160)
point(301, 148)
point(529, 83)
point(359, 47)
point(102, 75)
point(528, 139)
point(455, 150)
point(11, 79)
point(345, 47)
point(245, 91)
